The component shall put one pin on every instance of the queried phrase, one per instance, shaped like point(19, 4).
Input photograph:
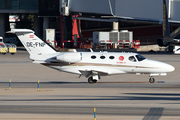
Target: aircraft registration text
point(36, 44)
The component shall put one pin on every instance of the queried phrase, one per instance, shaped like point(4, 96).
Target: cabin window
point(93, 57)
point(140, 58)
point(132, 58)
point(111, 57)
point(102, 57)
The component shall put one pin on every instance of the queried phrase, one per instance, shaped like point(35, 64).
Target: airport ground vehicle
point(7, 47)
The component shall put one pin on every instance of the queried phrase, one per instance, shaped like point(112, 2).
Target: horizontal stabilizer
point(20, 31)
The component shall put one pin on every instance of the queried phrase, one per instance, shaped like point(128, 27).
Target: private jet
point(92, 65)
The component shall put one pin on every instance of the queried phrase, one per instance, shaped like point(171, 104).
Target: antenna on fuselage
point(91, 50)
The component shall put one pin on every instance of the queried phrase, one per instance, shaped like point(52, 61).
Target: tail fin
point(33, 44)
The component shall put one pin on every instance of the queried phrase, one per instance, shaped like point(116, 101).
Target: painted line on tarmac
point(132, 82)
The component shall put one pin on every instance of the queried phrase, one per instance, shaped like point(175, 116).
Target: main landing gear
point(151, 80)
point(90, 80)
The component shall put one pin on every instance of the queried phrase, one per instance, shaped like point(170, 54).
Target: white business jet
point(92, 65)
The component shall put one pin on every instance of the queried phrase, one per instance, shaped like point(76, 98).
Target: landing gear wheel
point(151, 80)
point(90, 80)
point(94, 81)
point(170, 48)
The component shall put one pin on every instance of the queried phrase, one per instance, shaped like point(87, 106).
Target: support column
point(37, 25)
point(45, 26)
point(2, 25)
point(68, 28)
point(7, 24)
point(115, 27)
point(61, 31)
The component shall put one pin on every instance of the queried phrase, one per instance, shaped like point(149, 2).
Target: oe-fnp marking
point(36, 44)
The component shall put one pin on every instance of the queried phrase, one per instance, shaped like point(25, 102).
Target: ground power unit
point(121, 38)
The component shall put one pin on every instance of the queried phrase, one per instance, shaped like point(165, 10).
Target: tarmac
point(65, 96)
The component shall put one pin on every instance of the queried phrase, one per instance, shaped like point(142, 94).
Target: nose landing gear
point(91, 80)
point(151, 80)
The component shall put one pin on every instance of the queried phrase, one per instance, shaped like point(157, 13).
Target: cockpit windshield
point(140, 58)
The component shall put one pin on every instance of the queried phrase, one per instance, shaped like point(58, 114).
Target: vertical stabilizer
point(33, 44)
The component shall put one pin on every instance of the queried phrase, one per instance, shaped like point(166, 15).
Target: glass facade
point(19, 5)
point(49, 8)
point(45, 7)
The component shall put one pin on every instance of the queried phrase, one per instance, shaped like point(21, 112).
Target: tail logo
point(31, 36)
point(121, 58)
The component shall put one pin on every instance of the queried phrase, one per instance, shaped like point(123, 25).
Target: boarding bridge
point(150, 10)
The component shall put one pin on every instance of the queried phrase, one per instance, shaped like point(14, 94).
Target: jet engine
point(70, 57)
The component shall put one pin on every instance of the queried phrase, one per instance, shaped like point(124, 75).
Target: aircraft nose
point(162, 67)
point(168, 68)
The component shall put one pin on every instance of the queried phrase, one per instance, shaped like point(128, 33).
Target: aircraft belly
point(115, 71)
point(101, 70)
point(70, 69)
point(147, 70)
point(105, 70)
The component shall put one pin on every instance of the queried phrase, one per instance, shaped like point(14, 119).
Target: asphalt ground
point(65, 96)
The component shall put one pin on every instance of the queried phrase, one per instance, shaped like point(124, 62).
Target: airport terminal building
point(42, 11)
point(143, 17)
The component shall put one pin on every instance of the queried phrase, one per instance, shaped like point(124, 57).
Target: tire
point(151, 80)
point(170, 48)
point(90, 80)
point(94, 81)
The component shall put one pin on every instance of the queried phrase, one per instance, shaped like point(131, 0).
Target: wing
point(93, 72)
point(108, 72)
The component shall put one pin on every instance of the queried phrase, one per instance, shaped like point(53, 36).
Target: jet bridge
point(129, 14)
point(148, 10)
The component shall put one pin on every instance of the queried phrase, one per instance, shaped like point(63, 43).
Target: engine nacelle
point(70, 57)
